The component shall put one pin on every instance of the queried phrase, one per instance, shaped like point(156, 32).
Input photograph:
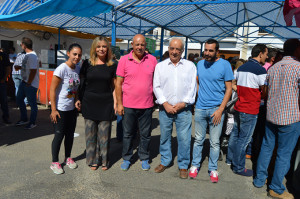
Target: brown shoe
point(183, 173)
point(284, 195)
point(160, 168)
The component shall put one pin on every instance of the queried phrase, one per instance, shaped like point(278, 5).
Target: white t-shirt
point(66, 91)
point(30, 61)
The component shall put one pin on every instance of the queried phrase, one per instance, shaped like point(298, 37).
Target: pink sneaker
point(214, 176)
point(193, 172)
point(56, 168)
point(71, 163)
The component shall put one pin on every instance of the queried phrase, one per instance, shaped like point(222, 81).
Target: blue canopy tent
point(93, 16)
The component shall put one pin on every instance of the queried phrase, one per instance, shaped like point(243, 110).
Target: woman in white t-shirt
point(63, 92)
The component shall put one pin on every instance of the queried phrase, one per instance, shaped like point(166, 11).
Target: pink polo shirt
point(138, 81)
point(267, 66)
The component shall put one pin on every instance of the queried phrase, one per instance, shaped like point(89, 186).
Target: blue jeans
point(30, 93)
point(183, 122)
point(144, 119)
point(240, 137)
point(17, 78)
point(119, 128)
point(202, 118)
point(286, 137)
point(3, 101)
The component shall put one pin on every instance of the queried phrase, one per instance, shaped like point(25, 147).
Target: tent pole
point(186, 47)
point(113, 31)
point(58, 45)
point(201, 48)
point(161, 43)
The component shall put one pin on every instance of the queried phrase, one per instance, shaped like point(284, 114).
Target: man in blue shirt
point(214, 76)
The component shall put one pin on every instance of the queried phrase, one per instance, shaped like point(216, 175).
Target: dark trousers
point(144, 119)
point(3, 101)
point(64, 128)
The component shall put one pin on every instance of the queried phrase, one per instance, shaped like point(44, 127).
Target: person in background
point(12, 55)
point(283, 120)
point(250, 79)
point(16, 74)
point(29, 85)
point(271, 58)
point(191, 57)
point(97, 101)
point(4, 73)
point(63, 92)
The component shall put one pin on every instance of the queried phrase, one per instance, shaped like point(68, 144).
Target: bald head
point(139, 45)
point(138, 37)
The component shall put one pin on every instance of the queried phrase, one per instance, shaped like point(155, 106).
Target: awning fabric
point(80, 8)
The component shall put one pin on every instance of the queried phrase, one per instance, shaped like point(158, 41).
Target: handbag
point(229, 108)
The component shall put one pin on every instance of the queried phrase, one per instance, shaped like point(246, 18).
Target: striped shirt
point(249, 77)
point(283, 92)
point(18, 62)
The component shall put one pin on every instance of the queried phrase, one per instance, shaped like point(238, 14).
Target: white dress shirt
point(175, 83)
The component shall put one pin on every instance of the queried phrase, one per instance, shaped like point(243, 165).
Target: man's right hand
point(120, 109)
point(169, 108)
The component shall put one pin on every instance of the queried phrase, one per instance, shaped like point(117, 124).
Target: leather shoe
point(160, 168)
point(183, 173)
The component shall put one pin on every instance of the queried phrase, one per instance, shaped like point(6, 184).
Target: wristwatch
point(186, 105)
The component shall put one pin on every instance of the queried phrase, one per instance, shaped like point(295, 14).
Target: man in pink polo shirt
point(134, 91)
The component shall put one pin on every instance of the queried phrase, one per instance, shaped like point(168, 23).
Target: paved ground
point(25, 159)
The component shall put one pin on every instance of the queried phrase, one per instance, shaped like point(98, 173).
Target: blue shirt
point(212, 77)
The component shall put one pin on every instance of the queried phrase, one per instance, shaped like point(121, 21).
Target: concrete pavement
point(26, 156)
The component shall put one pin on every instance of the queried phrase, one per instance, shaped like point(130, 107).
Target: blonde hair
point(93, 54)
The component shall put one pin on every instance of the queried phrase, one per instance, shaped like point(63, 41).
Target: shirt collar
point(289, 58)
point(180, 62)
point(255, 61)
point(130, 56)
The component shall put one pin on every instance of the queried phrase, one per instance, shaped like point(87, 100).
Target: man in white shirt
point(29, 84)
point(174, 86)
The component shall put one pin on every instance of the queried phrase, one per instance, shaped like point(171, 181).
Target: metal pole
point(58, 45)
point(201, 48)
point(186, 47)
point(128, 44)
point(161, 43)
point(140, 30)
point(113, 31)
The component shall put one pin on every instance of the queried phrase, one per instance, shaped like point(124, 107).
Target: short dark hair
point(191, 55)
point(271, 53)
point(290, 46)
point(27, 42)
point(258, 48)
point(213, 41)
point(74, 45)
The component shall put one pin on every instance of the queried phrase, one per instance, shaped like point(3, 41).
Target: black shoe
point(6, 121)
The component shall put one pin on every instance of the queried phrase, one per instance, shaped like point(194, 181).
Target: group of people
point(127, 88)
point(103, 87)
point(24, 69)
